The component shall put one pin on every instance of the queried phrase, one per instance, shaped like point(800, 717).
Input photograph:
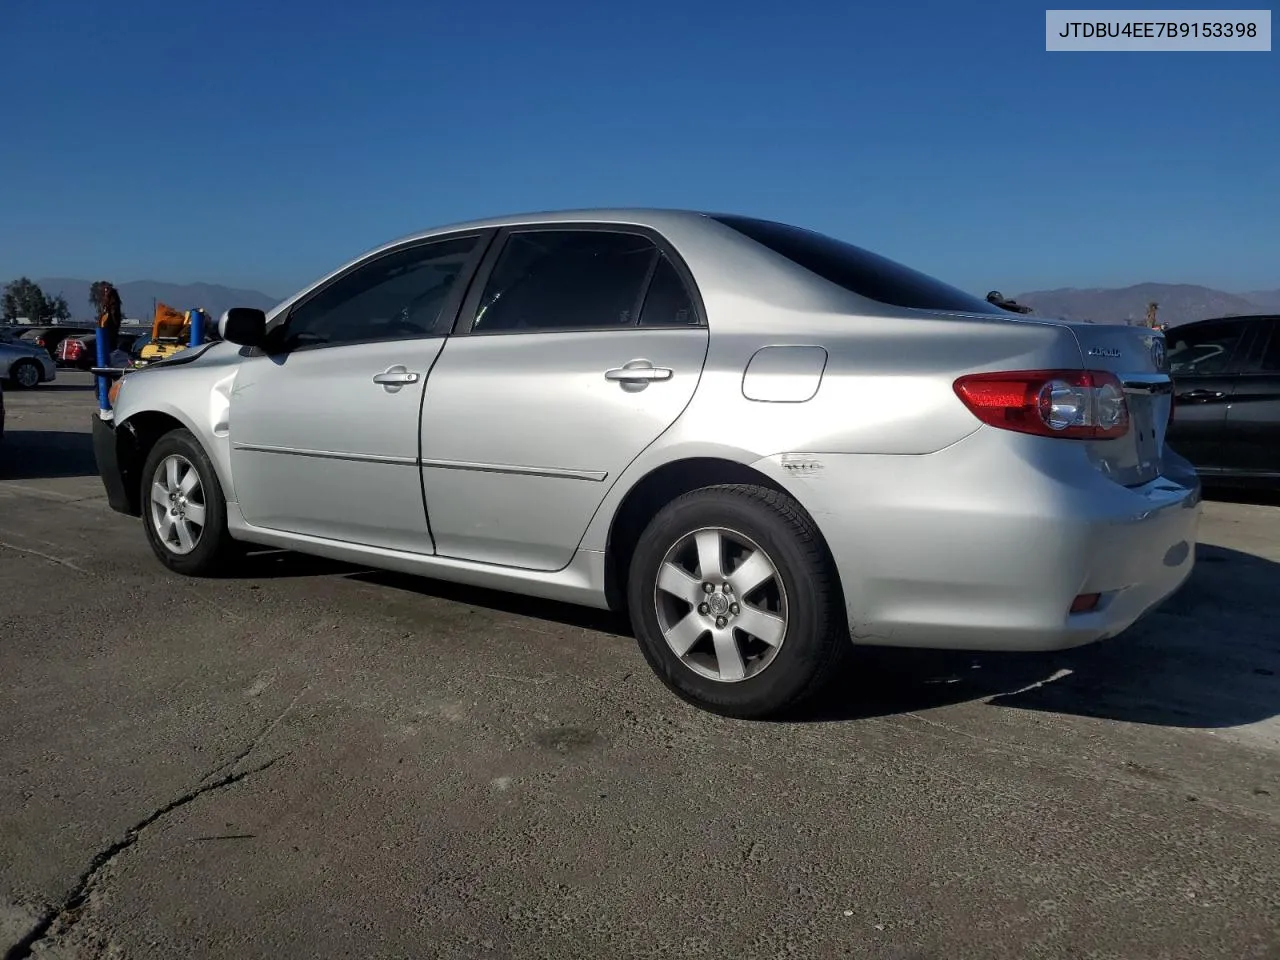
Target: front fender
point(209, 428)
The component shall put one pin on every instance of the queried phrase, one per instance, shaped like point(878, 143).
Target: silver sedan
point(767, 445)
point(23, 364)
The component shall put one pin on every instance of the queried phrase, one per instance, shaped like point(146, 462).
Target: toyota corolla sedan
point(768, 446)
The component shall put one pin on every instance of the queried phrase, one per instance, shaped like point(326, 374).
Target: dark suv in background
point(1226, 376)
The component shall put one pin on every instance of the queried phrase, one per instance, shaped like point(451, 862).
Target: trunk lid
point(1137, 356)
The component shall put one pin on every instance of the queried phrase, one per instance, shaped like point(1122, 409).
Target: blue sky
point(260, 144)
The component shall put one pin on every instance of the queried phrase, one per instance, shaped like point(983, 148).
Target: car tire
point(25, 374)
point(189, 536)
point(791, 593)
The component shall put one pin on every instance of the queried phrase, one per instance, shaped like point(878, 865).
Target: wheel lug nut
point(733, 608)
point(720, 622)
point(703, 609)
point(707, 588)
point(727, 588)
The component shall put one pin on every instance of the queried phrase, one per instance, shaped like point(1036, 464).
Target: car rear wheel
point(734, 601)
point(183, 509)
point(25, 374)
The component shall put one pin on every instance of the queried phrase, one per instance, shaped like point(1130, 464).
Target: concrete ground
point(310, 760)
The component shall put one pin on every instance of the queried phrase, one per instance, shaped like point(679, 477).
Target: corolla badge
point(1158, 353)
point(1104, 352)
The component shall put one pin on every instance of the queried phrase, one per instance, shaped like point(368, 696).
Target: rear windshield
point(860, 271)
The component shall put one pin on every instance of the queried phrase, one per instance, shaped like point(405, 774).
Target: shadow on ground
point(268, 564)
point(1210, 657)
point(44, 454)
point(64, 387)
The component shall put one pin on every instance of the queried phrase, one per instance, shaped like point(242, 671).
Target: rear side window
point(859, 271)
point(1203, 350)
point(1265, 356)
point(667, 302)
point(566, 280)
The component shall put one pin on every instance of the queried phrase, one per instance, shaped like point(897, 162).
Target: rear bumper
point(984, 545)
point(106, 453)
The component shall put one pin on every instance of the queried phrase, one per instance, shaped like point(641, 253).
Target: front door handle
point(1202, 395)
point(393, 378)
point(638, 371)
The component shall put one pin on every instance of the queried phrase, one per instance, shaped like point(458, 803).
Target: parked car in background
point(135, 351)
point(50, 337)
point(25, 364)
point(1226, 374)
point(765, 444)
point(82, 352)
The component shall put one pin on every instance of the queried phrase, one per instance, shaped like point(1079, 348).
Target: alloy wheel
point(721, 604)
point(27, 375)
point(177, 504)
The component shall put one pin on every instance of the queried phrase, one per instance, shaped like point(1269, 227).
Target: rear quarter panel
point(886, 388)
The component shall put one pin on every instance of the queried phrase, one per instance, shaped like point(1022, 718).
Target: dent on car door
point(1202, 362)
point(1252, 434)
point(579, 347)
point(324, 425)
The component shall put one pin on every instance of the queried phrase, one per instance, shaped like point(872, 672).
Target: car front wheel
point(735, 603)
point(183, 509)
point(25, 374)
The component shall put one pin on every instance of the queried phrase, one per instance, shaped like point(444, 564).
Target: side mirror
point(243, 325)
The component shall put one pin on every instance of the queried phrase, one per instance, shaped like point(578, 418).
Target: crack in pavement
point(61, 561)
point(68, 911)
point(262, 735)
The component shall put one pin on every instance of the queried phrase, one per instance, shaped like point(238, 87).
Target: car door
point(577, 347)
point(1203, 358)
point(324, 420)
point(1252, 434)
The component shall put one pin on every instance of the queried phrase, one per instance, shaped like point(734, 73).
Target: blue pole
point(197, 327)
point(103, 359)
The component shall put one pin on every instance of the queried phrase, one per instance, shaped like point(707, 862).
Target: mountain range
point(1178, 302)
point(138, 297)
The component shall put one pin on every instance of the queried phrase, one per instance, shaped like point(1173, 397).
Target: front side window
point(397, 296)
point(565, 280)
point(859, 271)
point(1203, 351)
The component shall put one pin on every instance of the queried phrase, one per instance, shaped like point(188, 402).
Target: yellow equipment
point(170, 332)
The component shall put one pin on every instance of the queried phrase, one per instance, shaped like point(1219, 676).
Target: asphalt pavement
point(310, 760)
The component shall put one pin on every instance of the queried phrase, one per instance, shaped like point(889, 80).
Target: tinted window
point(1269, 362)
point(667, 302)
point(1202, 350)
point(397, 296)
point(859, 271)
point(565, 280)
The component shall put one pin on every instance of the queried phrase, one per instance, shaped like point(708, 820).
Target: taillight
point(1076, 404)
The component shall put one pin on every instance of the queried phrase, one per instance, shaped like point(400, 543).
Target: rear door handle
point(1202, 395)
point(638, 371)
point(393, 378)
